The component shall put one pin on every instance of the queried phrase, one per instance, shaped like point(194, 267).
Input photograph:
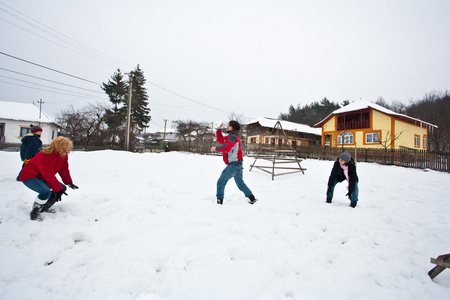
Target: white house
point(260, 131)
point(15, 121)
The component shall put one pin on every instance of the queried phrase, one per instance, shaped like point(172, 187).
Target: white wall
point(12, 131)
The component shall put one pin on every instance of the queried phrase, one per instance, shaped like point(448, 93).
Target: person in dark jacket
point(344, 168)
point(39, 175)
point(232, 156)
point(31, 144)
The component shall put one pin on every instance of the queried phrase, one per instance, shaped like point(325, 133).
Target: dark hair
point(235, 124)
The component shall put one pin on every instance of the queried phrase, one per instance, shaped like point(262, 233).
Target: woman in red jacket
point(232, 156)
point(39, 174)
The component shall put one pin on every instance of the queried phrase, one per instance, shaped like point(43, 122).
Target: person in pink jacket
point(232, 156)
point(39, 175)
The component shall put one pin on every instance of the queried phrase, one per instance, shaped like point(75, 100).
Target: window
point(416, 141)
point(345, 138)
point(372, 138)
point(24, 131)
point(424, 141)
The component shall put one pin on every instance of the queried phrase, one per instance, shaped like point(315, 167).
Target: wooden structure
point(442, 262)
point(278, 156)
point(259, 133)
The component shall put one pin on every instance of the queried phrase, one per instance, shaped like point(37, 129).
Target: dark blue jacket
point(31, 145)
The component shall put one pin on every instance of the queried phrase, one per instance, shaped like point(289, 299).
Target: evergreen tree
point(139, 102)
point(116, 89)
point(310, 114)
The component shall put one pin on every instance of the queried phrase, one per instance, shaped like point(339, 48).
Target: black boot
point(329, 199)
point(252, 199)
point(353, 204)
point(49, 203)
point(219, 201)
point(34, 214)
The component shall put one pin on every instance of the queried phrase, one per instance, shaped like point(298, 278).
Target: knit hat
point(35, 128)
point(345, 156)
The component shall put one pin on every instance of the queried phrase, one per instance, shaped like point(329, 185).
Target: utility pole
point(40, 110)
point(127, 134)
point(212, 133)
point(165, 123)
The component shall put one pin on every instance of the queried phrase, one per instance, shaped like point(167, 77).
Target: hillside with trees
point(311, 114)
point(434, 108)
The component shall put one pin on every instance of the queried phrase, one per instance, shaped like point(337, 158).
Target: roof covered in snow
point(22, 112)
point(291, 126)
point(362, 104)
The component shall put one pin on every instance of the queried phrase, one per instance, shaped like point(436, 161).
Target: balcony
point(353, 125)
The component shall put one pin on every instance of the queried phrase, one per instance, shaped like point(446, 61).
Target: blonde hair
point(60, 144)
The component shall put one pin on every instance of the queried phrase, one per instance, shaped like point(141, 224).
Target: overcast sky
point(204, 60)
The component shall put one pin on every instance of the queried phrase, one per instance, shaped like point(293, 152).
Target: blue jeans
point(232, 171)
point(353, 196)
point(41, 187)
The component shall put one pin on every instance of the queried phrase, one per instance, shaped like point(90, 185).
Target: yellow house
point(368, 125)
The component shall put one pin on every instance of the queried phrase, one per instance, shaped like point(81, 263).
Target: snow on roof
point(362, 104)
point(291, 126)
point(22, 112)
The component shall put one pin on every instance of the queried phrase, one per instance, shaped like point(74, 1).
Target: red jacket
point(231, 147)
point(45, 166)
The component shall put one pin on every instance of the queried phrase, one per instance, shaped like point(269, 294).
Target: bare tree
point(71, 122)
point(388, 141)
point(84, 126)
point(380, 101)
point(237, 117)
point(94, 123)
point(398, 107)
point(192, 131)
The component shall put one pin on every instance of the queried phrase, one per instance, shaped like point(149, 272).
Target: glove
point(72, 186)
point(349, 194)
point(59, 194)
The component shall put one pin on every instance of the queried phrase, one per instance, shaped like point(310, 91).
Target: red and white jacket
point(45, 166)
point(231, 147)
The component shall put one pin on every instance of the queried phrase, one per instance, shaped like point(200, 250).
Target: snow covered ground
point(146, 226)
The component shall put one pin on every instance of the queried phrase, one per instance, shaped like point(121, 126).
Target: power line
point(47, 86)
point(67, 48)
point(67, 40)
point(21, 85)
point(160, 87)
point(48, 68)
point(61, 37)
point(40, 78)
